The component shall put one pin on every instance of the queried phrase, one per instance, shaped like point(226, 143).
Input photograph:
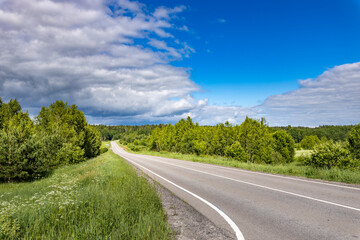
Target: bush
point(103, 150)
point(309, 142)
point(236, 152)
point(329, 155)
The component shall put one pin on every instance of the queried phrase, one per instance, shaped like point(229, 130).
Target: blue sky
point(249, 50)
point(156, 61)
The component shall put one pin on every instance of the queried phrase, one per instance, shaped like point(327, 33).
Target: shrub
point(309, 142)
point(235, 151)
point(103, 150)
point(330, 154)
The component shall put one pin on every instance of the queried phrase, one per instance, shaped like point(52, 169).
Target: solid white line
point(260, 173)
point(237, 231)
point(261, 186)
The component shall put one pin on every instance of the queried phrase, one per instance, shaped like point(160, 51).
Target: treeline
point(134, 136)
point(335, 133)
point(29, 149)
point(252, 141)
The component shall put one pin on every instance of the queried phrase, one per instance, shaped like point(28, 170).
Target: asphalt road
point(256, 205)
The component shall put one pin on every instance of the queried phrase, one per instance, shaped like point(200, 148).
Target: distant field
point(102, 198)
point(294, 169)
point(302, 152)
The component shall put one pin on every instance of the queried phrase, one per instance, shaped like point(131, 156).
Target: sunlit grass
point(295, 168)
point(303, 152)
point(105, 144)
point(102, 198)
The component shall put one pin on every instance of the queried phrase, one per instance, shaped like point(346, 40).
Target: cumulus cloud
point(87, 52)
point(333, 98)
point(112, 58)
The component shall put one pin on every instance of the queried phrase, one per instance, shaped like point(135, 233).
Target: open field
point(294, 169)
point(102, 198)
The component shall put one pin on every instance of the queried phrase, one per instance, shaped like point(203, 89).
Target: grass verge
point(102, 198)
point(293, 169)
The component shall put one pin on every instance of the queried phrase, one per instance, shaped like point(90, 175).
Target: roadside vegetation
point(295, 168)
point(31, 149)
point(102, 198)
point(255, 146)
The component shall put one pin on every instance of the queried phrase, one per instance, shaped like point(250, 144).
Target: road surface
point(257, 205)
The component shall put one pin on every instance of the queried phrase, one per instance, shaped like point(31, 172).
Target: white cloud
point(333, 98)
point(167, 13)
point(114, 63)
point(212, 114)
point(86, 52)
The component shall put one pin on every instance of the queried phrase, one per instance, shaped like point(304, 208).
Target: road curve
point(262, 206)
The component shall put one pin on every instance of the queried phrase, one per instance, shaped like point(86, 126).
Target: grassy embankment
point(102, 198)
point(295, 168)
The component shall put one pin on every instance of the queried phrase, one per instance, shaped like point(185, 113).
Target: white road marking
point(237, 231)
point(261, 173)
point(261, 186)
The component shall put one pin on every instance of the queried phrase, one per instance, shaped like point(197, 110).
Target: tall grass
point(295, 168)
point(102, 198)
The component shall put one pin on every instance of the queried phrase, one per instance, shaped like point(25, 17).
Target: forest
point(30, 149)
point(253, 141)
point(335, 133)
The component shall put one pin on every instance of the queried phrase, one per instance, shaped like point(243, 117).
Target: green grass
point(303, 152)
point(294, 169)
point(102, 198)
point(105, 144)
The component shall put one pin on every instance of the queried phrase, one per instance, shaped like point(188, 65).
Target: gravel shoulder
point(187, 222)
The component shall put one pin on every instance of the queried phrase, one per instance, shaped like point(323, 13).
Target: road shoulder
point(187, 222)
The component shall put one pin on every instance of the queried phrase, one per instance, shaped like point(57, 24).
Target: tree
point(253, 137)
point(309, 142)
point(68, 137)
point(285, 145)
point(61, 136)
point(236, 152)
point(354, 141)
point(92, 142)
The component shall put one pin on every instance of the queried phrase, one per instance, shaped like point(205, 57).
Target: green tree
point(309, 142)
point(285, 145)
point(92, 142)
point(61, 136)
point(254, 138)
point(354, 141)
point(17, 147)
point(200, 147)
point(68, 138)
point(236, 151)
